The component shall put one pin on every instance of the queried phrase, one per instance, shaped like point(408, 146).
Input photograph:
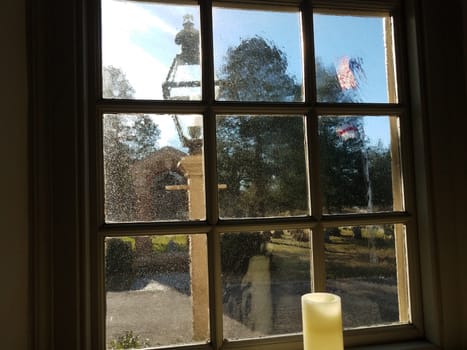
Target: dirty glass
point(148, 160)
point(261, 164)
point(156, 291)
point(150, 51)
point(264, 275)
point(361, 267)
point(360, 170)
point(354, 58)
point(255, 57)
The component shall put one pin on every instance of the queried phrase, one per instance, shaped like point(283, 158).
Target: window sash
point(213, 226)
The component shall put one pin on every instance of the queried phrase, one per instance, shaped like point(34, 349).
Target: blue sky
point(139, 38)
point(338, 36)
point(281, 28)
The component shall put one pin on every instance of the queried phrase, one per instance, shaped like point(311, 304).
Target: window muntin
point(315, 223)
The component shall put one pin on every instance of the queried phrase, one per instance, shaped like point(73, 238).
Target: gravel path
point(158, 313)
point(162, 314)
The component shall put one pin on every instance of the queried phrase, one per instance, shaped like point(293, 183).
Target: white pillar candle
point(322, 322)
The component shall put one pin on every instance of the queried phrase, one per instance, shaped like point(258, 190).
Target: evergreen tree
point(260, 158)
point(115, 85)
point(256, 70)
point(342, 182)
point(141, 136)
point(381, 176)
point(126, 138)
point(119, 190)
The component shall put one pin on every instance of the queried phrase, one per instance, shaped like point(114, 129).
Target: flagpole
point(366, 170)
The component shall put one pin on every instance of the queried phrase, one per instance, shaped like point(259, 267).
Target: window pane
point(148, 46)
point(154, 293)
point(354, 58)
point(362, 268)
point(360, 164)
point(147, 167)
point(262, 166)
point(264, 275)
point(255, 59)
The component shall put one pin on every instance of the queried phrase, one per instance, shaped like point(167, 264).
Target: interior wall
point(463, 209)
point(446, 129)
point(13, 178)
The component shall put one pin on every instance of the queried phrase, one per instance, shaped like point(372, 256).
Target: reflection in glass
point(360, 164)
point(152, 292)
point(361, 268)
point(255, 59)
point(261, 164)
point(264, 275)
point(150, 51)
point(354, 58)
point(148, 160)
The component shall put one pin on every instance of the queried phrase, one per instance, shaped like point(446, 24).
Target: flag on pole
point(347, 131)
point(348, 69)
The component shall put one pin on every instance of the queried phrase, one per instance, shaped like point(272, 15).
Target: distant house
point(151, 176)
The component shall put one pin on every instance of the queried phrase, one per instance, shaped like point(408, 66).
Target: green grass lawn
point(160, 243)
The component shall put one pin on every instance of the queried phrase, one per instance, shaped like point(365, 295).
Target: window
point(248, 154)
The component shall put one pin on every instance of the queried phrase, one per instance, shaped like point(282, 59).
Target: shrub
point(277, 234)
point(357, 232)
point(168, 243)
point(388, 231)
point(331, 232)
point(300, 235)
point(128, 341)
point(119, 258)
point(238, 248)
